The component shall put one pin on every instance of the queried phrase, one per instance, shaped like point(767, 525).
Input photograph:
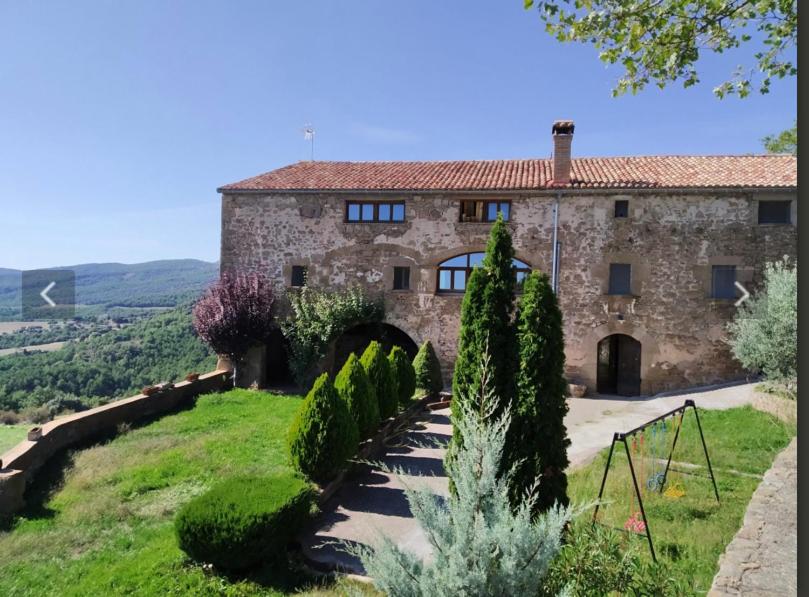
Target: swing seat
point(674, 491)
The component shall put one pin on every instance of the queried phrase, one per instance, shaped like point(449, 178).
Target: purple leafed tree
point(235, 314)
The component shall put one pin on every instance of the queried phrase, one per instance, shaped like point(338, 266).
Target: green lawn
point(107, 527)
point(691, 532)
point(11, 435)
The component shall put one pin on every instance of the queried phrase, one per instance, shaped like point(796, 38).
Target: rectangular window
point(401, 278)
point(774, 212)
point(375, 211)
point(723, 281)
point(620, 278)
point(298, 278)
point(622, 208)
point(484, 211)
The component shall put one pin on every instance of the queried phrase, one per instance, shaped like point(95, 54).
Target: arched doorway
point(358, 338)
point(619, 365)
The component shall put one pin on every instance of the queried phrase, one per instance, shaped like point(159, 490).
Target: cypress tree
point(323, 435)
point(538, 435)
point(428, 371)
point(402, 370)
point(355, 389)
point(378, 369)
point(487, 326)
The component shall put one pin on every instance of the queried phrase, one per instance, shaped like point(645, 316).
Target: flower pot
point(34, 434)
point(577, 390)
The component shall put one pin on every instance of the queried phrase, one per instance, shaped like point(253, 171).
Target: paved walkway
point(373, 503)
point(762, 558)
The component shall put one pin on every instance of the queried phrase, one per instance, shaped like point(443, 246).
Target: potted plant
point(191, 377)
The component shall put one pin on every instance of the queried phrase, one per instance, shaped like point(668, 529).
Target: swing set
point(649, 449)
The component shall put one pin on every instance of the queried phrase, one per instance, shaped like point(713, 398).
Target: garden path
point(373, 502)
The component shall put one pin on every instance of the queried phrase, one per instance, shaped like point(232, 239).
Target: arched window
point(453, 273)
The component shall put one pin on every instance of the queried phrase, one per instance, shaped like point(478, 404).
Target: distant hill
point(164, 283)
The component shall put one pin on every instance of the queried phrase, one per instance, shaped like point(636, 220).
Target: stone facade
point(670, 238)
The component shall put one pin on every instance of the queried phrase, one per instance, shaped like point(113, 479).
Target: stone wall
point(21, 462)
point(670, 239)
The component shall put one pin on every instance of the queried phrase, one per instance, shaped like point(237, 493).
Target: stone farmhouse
point(644, 251)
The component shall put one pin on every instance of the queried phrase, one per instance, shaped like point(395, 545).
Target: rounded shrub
point(244, 521)
point(323, 435)
point(428, 370)
point(355, 389)
point(404, 373)
point(378, 369)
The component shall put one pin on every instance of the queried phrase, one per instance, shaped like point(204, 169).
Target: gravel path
point(762, 558)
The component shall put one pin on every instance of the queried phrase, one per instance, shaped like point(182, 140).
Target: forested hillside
point(116, 363)
point(164, 283)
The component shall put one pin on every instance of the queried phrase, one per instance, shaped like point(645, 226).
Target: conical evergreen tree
point(323, 435)
point(402, 370)
point(428, 371)
point(377, 367)
point(355, 389)
point(487, 327)
point(537, 435)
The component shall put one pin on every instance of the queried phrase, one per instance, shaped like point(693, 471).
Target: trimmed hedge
point(378, 369)
point(323, 435)
point(404, 373)
point(428, 370)
point(355, 389)
point(244, 521)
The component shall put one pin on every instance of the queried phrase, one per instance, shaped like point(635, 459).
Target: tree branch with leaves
point(661, 41)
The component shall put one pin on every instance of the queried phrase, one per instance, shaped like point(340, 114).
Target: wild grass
point(690, 532)
point(11, 435)
point(104, 527)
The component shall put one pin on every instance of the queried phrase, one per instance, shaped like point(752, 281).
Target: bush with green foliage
point(323, 435)
point(764, 331)
point(597, 561)
point(379, 372)
point(487, 328)
point(405, 375)
point(355, 389)
point(537, 440)
point(428, 370)
point(317, 318)
point(480, 547)
point(244, 521)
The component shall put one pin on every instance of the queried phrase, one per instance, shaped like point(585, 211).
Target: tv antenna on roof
point(309, 135)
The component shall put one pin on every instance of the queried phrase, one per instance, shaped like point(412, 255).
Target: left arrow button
point(44, 294)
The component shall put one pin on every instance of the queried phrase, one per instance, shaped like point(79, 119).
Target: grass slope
point(690, 533)
point(11, 435)
point(107, 527)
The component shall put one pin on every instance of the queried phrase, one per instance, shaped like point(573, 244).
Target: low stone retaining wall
point(22, 461)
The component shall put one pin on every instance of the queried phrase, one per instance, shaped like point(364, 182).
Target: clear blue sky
point(120, 119)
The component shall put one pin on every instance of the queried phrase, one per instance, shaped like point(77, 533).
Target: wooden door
point(628, 371)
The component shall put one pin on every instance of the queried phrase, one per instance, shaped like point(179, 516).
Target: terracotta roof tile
point(642, 172)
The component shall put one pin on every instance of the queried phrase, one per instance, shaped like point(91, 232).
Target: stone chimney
point(562, 132)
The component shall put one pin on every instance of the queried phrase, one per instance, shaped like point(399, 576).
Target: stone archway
point(618, 365)
point(358, 338)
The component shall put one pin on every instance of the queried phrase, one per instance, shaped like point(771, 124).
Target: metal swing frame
point(622, 438)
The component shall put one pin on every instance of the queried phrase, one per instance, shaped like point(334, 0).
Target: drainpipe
point(555, 252)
